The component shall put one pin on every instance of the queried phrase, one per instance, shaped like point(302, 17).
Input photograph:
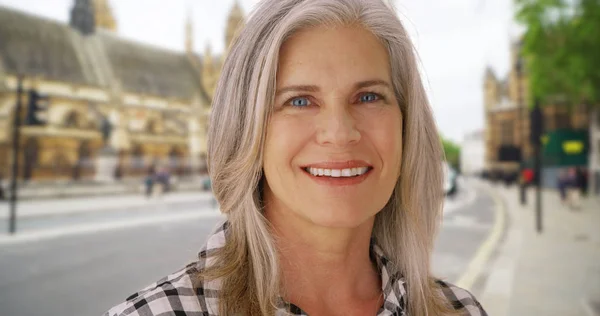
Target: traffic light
point(36, 109)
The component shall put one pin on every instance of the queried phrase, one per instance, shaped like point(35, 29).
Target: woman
point(323, 154)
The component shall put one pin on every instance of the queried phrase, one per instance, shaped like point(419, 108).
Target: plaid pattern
point(175, 294)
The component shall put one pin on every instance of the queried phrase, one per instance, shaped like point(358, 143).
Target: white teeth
point(337, 173)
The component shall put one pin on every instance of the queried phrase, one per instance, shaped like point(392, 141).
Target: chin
point(338, 217)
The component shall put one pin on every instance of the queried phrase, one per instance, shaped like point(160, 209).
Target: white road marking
point(451, 205)
point(106, 226)
point(461, 221)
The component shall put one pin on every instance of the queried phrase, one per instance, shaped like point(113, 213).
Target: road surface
point(63, 270)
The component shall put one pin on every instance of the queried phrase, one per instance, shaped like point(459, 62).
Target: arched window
point(72, 120)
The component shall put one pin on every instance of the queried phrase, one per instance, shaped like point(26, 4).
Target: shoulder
point(461, 299)
point(175, 292)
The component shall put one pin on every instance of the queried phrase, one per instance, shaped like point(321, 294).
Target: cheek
point(285, 138)
point(385, 132)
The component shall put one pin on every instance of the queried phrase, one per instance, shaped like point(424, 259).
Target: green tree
point(561, 49)
point(452, 153)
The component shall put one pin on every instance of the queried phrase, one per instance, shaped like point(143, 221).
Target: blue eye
point(369, 97)
point(300, 102)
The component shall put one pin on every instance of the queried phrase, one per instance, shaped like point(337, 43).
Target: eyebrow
point(313, 88)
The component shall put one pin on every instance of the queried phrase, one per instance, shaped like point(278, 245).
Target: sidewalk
point(69, 189)
point(556, 272)
point(53, 207)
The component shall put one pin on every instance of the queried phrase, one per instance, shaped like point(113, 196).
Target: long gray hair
point(405, 229)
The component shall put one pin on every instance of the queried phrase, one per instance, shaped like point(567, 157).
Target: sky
point(455, 40)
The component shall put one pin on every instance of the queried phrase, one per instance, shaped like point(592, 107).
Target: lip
point(348, 164)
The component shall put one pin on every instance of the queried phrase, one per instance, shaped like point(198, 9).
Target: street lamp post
point(537, 129)
point(522, 184)
point(12, 228)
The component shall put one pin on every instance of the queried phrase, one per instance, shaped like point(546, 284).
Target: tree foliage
point(452, 153)
point(561, 48)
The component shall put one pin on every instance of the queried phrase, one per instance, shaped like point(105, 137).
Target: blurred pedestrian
point(326, 160)
point(162, 180)
point(118, 174)
point(573, 188)
point(581, 176)
point(149, 181)
point(528, 176)
point(562, 183)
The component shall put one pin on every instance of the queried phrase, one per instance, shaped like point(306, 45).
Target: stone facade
point(157, 100)
point(507, 115)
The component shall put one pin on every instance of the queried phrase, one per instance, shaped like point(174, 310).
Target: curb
point(497, 292)
point(68, 192)
point(37, 209)
point(485, 251)
point(135, 205)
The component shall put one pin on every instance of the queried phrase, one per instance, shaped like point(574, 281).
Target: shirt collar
point(393, 284)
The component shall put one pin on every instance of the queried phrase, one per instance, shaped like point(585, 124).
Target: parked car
point(206, 184)
point(450, 180)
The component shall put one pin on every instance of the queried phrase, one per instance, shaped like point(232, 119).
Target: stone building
point(507, 138)
point(156, 100)
point(472, 154)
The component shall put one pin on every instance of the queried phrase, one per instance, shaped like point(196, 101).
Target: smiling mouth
point(337, 173)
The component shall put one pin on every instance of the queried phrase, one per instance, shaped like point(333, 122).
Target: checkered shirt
point(175, 294)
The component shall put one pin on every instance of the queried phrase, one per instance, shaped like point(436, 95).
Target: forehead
point(332, 54)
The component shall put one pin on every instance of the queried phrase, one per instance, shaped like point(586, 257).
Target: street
point(112, 121)
point(84, 272)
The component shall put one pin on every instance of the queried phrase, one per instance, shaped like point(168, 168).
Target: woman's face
point(334, 141)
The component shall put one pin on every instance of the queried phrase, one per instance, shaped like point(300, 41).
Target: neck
point(321, 265)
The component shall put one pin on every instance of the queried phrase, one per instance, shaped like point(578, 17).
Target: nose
point(337, 127)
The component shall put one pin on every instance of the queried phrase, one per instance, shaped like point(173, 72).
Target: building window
point(31, 157)
point(507, 129)
point(563, 120)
